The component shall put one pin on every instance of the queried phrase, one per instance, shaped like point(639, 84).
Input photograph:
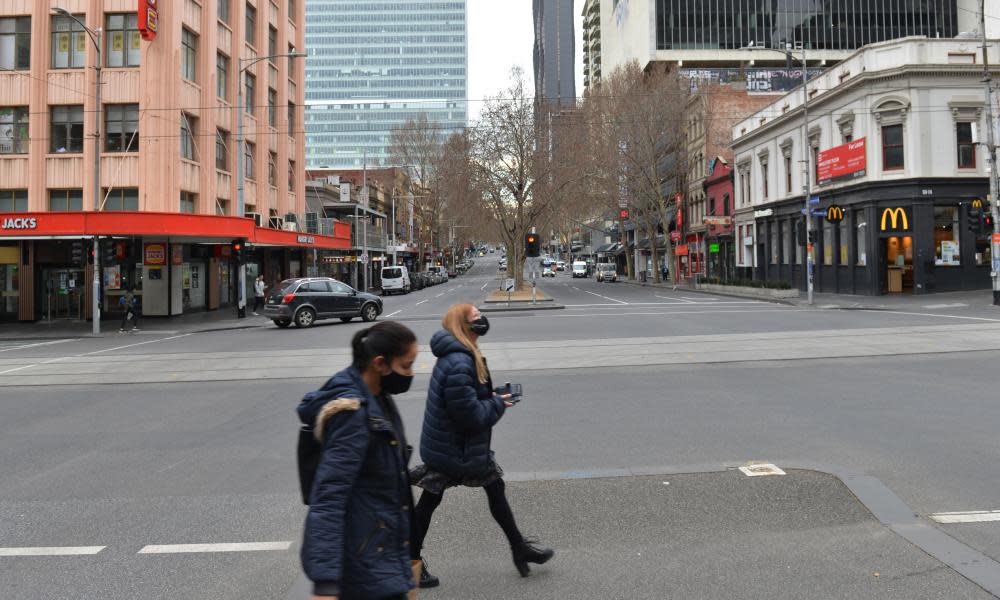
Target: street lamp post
point(95, 37)
point(241, 298)
point(789, 52)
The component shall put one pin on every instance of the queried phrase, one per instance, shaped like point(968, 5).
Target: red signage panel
point(843, 162)
point(154, 254)
point(148, 17)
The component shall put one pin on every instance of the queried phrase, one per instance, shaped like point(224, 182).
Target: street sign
point(364, 258)
point(713, 248)
point(623, 213)
point(508, 285)
point(814, 200)
point(996, 238)
point(818, 212)
point(675, 236)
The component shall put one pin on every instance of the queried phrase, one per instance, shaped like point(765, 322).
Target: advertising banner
point(154, 254)
point(843, 162)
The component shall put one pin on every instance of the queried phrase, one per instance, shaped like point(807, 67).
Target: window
point(711, 207)
point(249, 150)
point(67, 129)
point(251, 88)
point(122, 47)
point(14, 130)
point(223, 11)
point(222, 150)
point(69, 44)
point(65, 200)
point(15, 43)
point(13, 200)
point(827, 243)
point(272, 113)
point(188, 201)
point(800, 244)
point(892, 147)
point(251, 25)
point(845, 238)
point(775, 242)
point(947, 244)
point(121, 127)
point(763, 178)
point(340, 288)
point(291, 10)
point(788, 174)
point(222, 76)
point(815, 164)
point(966, 147)
point(121, 199)
point(861, 239)
point(272, 168)
point(272, 41)
point(189, 55)
point(726, 205)
point(291, 176)
point(291, 118)
point(188, 132)
point(786, 242)
point(221, 207)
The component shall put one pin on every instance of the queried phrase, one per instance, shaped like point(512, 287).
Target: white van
point(395, 279)
point(579, 269)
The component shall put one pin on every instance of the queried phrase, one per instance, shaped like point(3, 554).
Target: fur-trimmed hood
point(344, 391)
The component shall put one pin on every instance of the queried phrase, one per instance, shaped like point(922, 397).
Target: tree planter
point(748, 292)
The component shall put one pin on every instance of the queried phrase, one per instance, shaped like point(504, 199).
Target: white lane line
point(971, 516)
point(198, 548)
point(565, 315)
point(422, 301)
point(439, 295)
point(915, 314)
point(52, 551)
point(692, 304)
point(22, 347)
point(52, 360)
point(676, 298)
point(484, 286)
point(393, 314)
point(937, 306)
point(709, 298)
point(606, 298)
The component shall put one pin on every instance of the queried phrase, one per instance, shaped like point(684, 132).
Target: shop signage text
point(154, 254)
point(894, 219)
point(760, 214)
point(846, 161)
point(720, 221)
point(306, 239)
point(20, 223)
point(147, 19)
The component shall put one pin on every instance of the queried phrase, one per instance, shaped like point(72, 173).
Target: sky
point(500, 37)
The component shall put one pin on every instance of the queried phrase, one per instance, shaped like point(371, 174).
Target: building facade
point(591, 44)
point(555, 52)
point(895, 170)
point(167, 197)
point(373, 66)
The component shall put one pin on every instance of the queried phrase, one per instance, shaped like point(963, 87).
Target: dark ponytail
point(388, 339)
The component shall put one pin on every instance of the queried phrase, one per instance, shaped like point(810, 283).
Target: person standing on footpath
point(129, 311)
point(462, 408)
point(258, 294)
point(357, 532)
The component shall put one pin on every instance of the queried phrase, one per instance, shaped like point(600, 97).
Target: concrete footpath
point(219, 320)
point(699, 536)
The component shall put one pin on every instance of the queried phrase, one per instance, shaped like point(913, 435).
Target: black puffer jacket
point(460, 414)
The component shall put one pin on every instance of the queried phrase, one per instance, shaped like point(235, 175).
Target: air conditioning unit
point(276, 223)
point(257, 218)
point(312, 222)
point(290, 226)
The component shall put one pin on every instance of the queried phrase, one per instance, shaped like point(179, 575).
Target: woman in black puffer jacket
point(462, 409)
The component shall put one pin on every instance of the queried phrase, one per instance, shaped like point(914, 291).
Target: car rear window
point(392, 273)
point(285, 286)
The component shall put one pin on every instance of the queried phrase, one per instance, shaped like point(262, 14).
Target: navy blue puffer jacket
point(357, 532)
point(460, 415)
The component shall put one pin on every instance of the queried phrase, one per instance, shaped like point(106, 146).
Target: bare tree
point(418, 145)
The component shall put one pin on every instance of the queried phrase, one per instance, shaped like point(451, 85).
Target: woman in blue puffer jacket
point(462, 408)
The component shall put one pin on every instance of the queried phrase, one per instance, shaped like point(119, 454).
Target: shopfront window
point(775, 233)
point(947, 245)
point(799, 244)
point(861, 239)
point(845, 239)
point(827, 243)
point(9, 282)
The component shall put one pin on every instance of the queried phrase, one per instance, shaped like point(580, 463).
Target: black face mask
point(395, 383)
point(480, 326)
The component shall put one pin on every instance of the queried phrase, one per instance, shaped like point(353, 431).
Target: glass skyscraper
point(374, 64)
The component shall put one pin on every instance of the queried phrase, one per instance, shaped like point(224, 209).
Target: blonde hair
point(456, 321)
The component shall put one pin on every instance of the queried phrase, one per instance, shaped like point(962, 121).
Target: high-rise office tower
point(555, 78)
point(374, 65)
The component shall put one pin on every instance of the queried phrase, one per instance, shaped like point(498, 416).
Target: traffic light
point(532, 245)
point(974, 219)
point(109, 254)
point(77, 252)
point(813, 236)
point(237, 251)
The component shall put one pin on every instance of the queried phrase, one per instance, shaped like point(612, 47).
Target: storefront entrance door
point(897, 264)
point(64, 293)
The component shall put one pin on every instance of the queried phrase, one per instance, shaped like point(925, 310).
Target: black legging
point(499, 508)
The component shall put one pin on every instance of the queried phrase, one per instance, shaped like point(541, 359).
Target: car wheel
point(346, 319)
point(305, 318)
point(369, 312)
point(282, 323)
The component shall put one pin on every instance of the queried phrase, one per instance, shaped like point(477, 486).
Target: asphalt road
point(113, 467)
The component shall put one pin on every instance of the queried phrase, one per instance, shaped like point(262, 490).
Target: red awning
point(207, 228)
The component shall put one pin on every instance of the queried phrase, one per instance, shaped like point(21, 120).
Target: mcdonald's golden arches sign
point(977, 203)
point(895, 219)
point(834, 214)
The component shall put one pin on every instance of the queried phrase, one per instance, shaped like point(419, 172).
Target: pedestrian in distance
point(130, 311)
point(358, 528)
point(258, 294)
point(462, 409)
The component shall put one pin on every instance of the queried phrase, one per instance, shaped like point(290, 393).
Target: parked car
point(441, 272)
point(607, 272)
point(396, 280)
point(549, 271)
point(305, 300)
point(579, 269)
point(417, 281)
point(560, 265)
point(452, 273)
point(503, 264)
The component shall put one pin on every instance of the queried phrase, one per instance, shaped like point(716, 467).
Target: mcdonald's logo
point(895, 217)
point(977, 203)
point(835, 214)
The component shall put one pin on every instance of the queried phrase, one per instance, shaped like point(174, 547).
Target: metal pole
point(364, 198)
point(810, 262)
point(241, 292)
point(96, 300)
point(991, 154)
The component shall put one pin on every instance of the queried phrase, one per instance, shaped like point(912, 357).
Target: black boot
point(526, 552)
point(426, 579)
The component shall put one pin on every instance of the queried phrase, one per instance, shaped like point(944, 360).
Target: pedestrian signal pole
point(991, 158)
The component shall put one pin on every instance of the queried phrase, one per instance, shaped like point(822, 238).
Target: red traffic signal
point(623, 213)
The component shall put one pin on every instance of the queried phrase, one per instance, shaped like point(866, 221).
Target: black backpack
point(309, 453)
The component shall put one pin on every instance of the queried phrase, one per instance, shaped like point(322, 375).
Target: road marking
point(484, 286)
point(709, 298)
point(914, 314)
point(597, 304)
point(23, 346)
point(439, 295)
point(52, 551)
point(564, 315)
point(971, 516)
point(57, 359)
point(605, 297)
point(937, 306)
point(393, 314)
point(422, 301)
point(199, 548)
point(682, 300)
